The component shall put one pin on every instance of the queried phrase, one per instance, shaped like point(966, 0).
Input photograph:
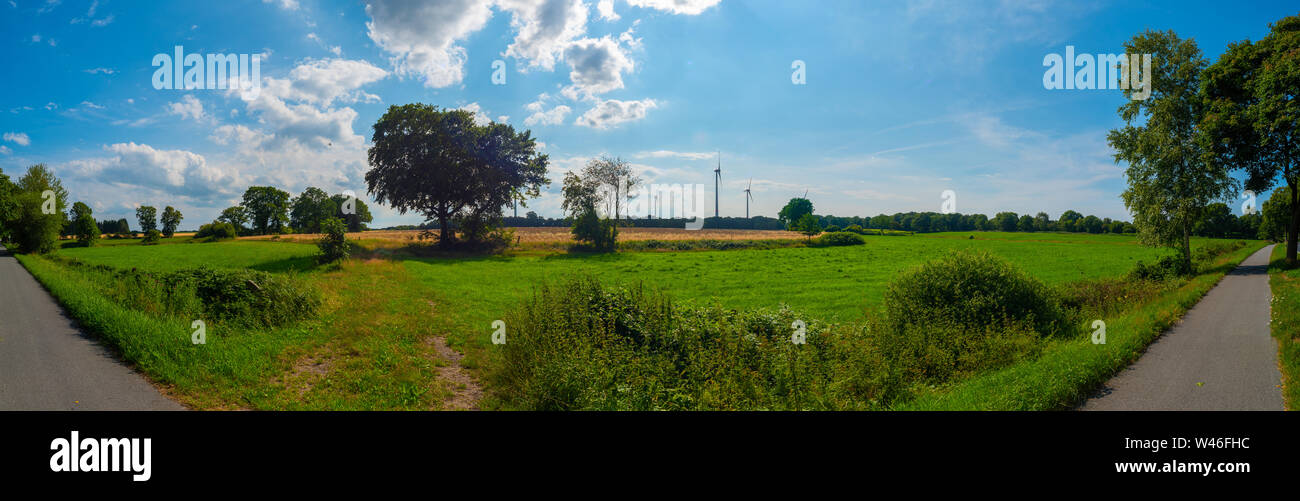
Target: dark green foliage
point(794, 211)
point(267, 209)
point(147, 217)
point(334, 242)
point(151, 237)
point(217, 230)
point(37, 220)
point(809, 225)
point(595, 233)
point(975, 290)
point(171, 219)
point(840, 238)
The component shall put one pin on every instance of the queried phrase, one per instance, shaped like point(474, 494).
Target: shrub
point(1166, 267)
point(593, 232)
point(853, 228)
point(581, 345)
point(151, 237)
point(217, 230)
point(832, 228)
point(973, 290)
point(86, 230)
point(334, 242)
point(840, 238)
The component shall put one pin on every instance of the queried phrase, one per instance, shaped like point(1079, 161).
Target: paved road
point(48, 363)
point(1219, 357)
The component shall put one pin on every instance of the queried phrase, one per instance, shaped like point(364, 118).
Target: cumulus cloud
point(688, 7)
point(606, 10)
point(540, 115)
point(179, 172)
point(597, 66)
point(480, 116)
point(326, 80)
point(609, 113)
point(422, 37)
point(543, 28)
point(19, 138)
point(188, 107)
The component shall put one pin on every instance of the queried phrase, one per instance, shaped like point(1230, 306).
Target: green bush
point(217, 230)
point(853, 228)
point(840, 238)
point(151, 237)
point(1167, 267)
point(595, 233)
point(580, 345)
point(333, 243)
point(832, 228)
point(973, 290)
point(244, 297)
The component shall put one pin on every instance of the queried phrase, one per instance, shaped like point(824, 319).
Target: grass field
point(378, 343)
point(1286, 324)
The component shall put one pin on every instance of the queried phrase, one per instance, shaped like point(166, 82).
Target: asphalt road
point(48, 363)
point(1219, 357)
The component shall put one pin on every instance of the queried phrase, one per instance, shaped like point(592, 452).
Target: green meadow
point(376, 342)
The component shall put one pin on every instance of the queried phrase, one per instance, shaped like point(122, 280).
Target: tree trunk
point(1187, 247)
point(1294, 227)
point(445, 235)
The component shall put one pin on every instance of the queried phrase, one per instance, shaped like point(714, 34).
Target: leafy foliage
point(333, 243)
point(171, 219)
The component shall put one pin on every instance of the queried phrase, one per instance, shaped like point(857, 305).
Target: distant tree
point(235, 216)
point(147, 216)
point(614, 176)
point(267, 209)
point(1170, 181)
point(309, 209)
point(793, 211)
point(38, 220)
point(580, 198)
point(151, 237)
point(1253, 119)
point(359, 214)
point(83, 224)
point(1006, 221)
point(1042, 222)
point(1217, 222)
point(171, 219)
point(809, 225)
point(444, 166)
point(881, 222)
point(1026, 223)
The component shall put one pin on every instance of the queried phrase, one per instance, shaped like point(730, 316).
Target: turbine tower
point(717, 179)
point(748, 197)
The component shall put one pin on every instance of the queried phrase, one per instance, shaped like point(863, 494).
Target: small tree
point(267, 209)
point(171, 219)
point(83, 224)
point(580, 199)
point(151, 237)
point(333, 243)
point(236, 216)
point(793, 211)
point(809, 225)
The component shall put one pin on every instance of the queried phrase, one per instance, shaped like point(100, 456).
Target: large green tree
point(309, 209)
point(441, 164)
point(236, 216)
point(8, 206)
point(353, 211)
point(41, 202)
point(1170, 183)
point(1252, 122)
point(1277, 216)
point(267, 208)
point(148, 217)
point(793, 211)
point(171, 219)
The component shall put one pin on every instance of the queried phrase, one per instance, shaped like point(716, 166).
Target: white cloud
point(610, 112)
point(90, 105)
point(597, 66)
point(325, 80)
point(606, 9)
point(688, 7)
point(540, 115)
point(675, 154)
point(543, 28)
point(176, 171)
point(19, 138)
point(188, 107)
point(5, 150)
point(480, 116)
point(422, 37)
point(106, 71)
point(284, 4)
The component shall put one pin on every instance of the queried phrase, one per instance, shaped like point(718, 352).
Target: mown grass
point(370, 346)
point(1285, 284)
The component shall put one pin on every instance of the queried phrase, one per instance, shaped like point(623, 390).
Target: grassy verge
point(1068, 372)
point(1286, 324)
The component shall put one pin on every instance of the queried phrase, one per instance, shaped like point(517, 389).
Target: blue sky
point(902, 100)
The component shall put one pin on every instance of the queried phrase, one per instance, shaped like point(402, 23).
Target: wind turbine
point(748, 196)
point(717, 179)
